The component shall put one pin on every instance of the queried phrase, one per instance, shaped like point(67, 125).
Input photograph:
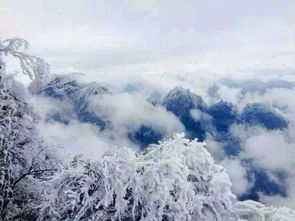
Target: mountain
point(61, 87)
point(223, 115)
point(264, 115)
point(198, 118)
point(145, 135)
point(81, 101)
point(263, 182)
point(181, 102)
point(69, 89)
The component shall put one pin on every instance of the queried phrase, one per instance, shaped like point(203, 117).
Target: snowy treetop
point(175, 180)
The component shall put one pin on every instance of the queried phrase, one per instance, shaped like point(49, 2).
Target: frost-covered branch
point(175, 180)
point(33, 67)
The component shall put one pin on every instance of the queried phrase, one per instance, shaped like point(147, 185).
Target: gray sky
point(83, 35)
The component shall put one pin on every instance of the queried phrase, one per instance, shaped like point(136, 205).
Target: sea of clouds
point(135, 89)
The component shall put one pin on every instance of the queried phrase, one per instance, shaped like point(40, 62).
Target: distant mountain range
point(198, 118)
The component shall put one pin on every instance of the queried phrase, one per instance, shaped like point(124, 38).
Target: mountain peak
point(183, 100)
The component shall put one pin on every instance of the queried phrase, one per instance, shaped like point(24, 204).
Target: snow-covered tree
point(175, 180)
point(24, 163)
point(252, 211)
point(23, 160)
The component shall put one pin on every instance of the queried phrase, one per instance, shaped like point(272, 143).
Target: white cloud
point(214, 149)
point(237, 174)
point(271, 150)
point(130, 111)
point(75, 138)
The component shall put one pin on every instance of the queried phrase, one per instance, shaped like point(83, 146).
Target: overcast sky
point(83, 35)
